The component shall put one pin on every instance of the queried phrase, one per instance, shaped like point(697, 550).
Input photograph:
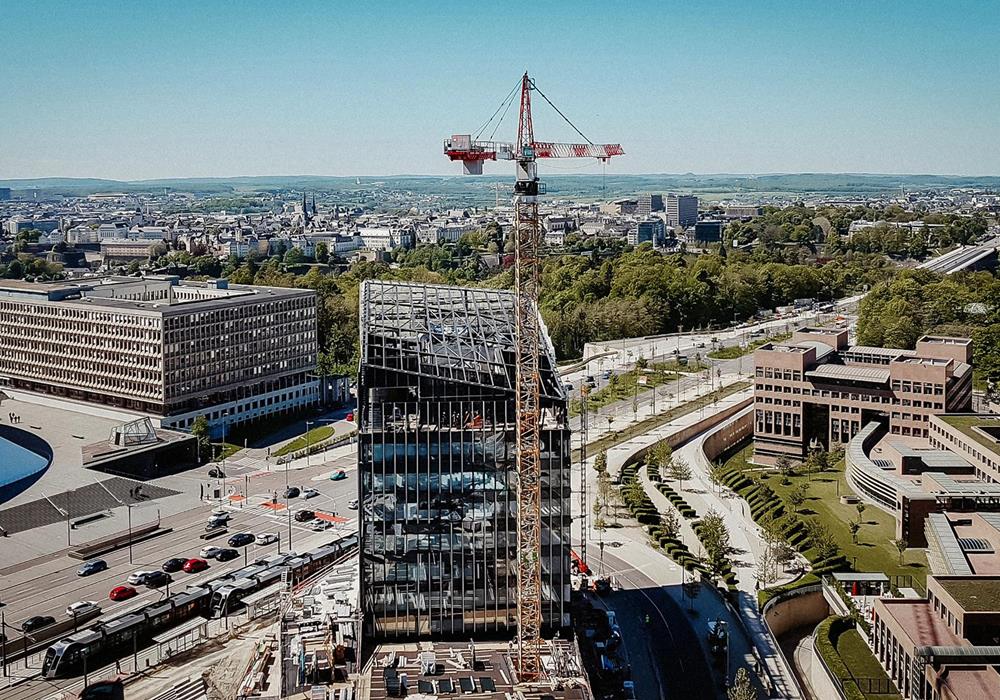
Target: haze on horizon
point(144, 91)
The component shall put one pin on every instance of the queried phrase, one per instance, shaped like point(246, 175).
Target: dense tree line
point(897, 312)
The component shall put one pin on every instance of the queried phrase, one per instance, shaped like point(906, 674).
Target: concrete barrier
point(117, 541)
point(687, 433)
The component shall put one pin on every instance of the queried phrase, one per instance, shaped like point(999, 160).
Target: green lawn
point(873, 551)
point(224, 450)
point(858, 657)
point(314, 436)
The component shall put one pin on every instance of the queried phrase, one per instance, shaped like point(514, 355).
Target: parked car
point(172, 565)
point(304, 516)
point(193, 566)
point(92, 567)
point(349, 416)
point(226, 555)
point(82, 608)
point(292, 492)
point(155, 579)
point(267, 538)
point(701, 345)
point(241, 539)
point(338, 475)
point(138, 578)
point(37, 622)
point(310, 493)
point(209, 552)
point(352, 504)
point(121, 593)
point(320, 525)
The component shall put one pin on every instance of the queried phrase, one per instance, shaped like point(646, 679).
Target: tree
point(294, 256)
point(860, 507)
point(715, 539)
point(670, 523)
point(742, 688)
point(784, 553)
point(603, 489)
point(822, 540)
point(854, 526)
point(322, 253)
point(900, 544)
point(200, 429)
point(784, 466)
point(601, 461)
point(679, 471)
point(797, 496)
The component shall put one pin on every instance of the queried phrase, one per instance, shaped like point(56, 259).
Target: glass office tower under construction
point(438, 468)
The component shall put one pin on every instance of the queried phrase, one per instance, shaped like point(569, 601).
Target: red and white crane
point(525, 151)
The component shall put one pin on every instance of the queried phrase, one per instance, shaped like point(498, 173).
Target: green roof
point(966, 423)
point(978, 594)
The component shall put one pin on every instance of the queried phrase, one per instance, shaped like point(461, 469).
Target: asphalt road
point(666, 657)
point(50, 585)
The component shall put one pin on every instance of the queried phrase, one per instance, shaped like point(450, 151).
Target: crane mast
point(527, 333)
point(527, 236)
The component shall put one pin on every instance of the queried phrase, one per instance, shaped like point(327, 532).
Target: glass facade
point(437, 463)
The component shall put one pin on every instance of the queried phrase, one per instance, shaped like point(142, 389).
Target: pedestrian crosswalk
point(194, 688)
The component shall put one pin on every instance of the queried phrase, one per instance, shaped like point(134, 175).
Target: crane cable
point(506, 101)
point(565, 118)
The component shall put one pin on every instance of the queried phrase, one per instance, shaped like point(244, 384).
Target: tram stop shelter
point(264, 601)
point(180, 639)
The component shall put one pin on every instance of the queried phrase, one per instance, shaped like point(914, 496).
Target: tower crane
point(525, 152)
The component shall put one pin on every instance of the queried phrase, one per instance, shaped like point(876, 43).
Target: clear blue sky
point(149, 89)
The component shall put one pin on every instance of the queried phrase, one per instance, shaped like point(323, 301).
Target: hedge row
point(640, 505)
point(827, 633)
point(678, 502)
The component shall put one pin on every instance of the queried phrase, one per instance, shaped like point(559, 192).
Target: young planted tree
point(900, 545)
point(784, 466)
point(742, 688)
point(679, 471)
point(671, 523)
point(199, 428)
point(854, 526)
point(797, 496)
point(715, 539)
point(601, 462)
point(822, 540)
point(860, 507)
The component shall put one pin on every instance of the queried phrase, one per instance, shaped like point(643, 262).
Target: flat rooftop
point(944, 340)
point(981, 428)
point(852, 373)
point(151, 293)
point(978, 594)
point(918, 620)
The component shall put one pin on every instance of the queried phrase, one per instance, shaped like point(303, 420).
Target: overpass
point(971, 257)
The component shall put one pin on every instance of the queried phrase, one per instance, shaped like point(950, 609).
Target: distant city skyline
point(185, 89)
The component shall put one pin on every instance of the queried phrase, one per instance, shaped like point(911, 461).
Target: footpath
point(745, 537)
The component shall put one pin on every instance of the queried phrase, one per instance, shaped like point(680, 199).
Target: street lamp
point(308, 441)
point(3, 639)
point(128, 506)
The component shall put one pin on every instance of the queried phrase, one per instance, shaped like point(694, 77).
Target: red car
point(193, 566)
point(350, 416)
point(121, 593)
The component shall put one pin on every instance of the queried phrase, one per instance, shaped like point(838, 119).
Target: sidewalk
point(744, 534)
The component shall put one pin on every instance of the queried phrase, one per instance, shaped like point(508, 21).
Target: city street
point(48, 584)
